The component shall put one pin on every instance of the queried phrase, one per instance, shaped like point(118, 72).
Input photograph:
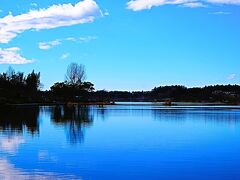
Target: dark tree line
point(18, 88)
point(218, 93)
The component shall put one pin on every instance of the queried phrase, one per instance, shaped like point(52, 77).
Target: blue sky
point(124, 45)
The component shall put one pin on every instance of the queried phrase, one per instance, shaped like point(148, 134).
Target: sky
point(124, 44)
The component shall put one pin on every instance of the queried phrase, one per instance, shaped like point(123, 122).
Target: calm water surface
point(120, 142)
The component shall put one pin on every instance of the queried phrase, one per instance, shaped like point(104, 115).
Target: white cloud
point(233, 2)
point(138, 5)
point(55, 16)
point(87, 38)
point(48, 45)
point(11, 56)
point(34, 4)
point(51, 44)
point(194, 5)
point(71, 39)
point(82, 39)
point(106, 13)
point(232, 76)
point(65, 56)
point(221, 13)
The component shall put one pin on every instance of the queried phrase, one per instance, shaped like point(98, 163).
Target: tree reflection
point(75, 119)
point(16, 119)
point(101, 112)
point(207, 114)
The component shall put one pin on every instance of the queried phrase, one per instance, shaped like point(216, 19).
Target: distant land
point(17, 88)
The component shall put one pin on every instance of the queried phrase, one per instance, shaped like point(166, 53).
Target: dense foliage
point(17, 88)
point(64, 91)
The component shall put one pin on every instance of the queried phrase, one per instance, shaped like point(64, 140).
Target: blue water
point(120, 142)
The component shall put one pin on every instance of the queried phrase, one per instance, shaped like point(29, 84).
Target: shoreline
point(133, 103)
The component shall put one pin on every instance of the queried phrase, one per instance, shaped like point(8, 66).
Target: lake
point(124, 141)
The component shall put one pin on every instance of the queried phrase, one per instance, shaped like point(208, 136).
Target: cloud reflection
point(11, 144)
point(8, 172)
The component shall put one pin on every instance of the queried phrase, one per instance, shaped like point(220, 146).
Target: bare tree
point(75, 73)
point(10, 73)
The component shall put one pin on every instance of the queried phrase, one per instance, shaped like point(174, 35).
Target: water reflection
point(228, 116)
point(9, 171)
point(101, 112)
point(131, 142)
point(75, 119)
point(18, 118)
point(10, 144)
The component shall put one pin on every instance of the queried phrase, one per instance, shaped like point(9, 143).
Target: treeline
point(20, 88)
point(15, 87)
point(229, 94)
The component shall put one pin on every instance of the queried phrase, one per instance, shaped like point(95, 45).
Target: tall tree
point(75, 73)
point(33, 81)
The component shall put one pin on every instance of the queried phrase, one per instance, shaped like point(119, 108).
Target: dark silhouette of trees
point(218, 93)
point(74, 89)
point(229, 94)
point(33, 81)
point(172, 92)
point(15, 87)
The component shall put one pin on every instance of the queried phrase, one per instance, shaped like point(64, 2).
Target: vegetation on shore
point(18, 88)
